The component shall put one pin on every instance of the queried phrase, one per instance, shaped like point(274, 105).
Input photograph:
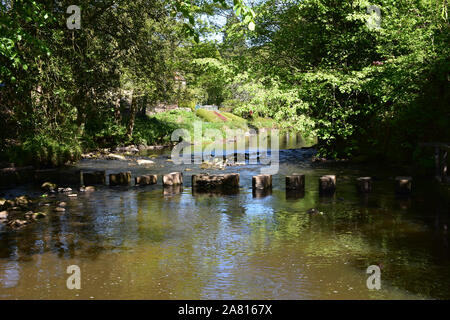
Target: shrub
point(45, 151)
point(189, 104)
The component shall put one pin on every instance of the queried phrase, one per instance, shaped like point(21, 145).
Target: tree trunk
point(79, 101)
point(144, 105)
point(133, 110)
point(117, 115)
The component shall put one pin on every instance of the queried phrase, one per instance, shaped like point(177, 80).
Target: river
point(139, 243)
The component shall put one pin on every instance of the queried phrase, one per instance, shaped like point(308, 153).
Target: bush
point(189, 104)
point(44, 151)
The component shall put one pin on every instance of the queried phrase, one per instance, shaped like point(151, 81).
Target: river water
point(142, 243)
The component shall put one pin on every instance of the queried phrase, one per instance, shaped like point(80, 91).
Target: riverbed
point(144, 243)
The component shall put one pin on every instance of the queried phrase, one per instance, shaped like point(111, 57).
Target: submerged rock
point(8, 204)
point(113, 156)
point(39, 215)
point(29, 215)
point(22, 201)
point(15, 224)
point(143, 162)
point(49, 186)
point(130, 149)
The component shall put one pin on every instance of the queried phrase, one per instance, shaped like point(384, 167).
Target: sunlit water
point(139, 243)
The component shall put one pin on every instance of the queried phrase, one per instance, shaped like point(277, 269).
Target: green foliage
point(190, 104)
point(43, 151)
point(311, 66)
point(363, 90)
point(251, 98)
point(158, 129)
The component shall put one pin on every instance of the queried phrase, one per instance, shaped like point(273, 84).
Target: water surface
point(142, 243)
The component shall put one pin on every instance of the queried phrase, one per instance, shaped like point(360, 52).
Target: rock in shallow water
point(17, 223)
point(143, 162)
point(113, 156)
point(3, 215)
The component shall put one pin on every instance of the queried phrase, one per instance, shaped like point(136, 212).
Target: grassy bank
point(158, 128)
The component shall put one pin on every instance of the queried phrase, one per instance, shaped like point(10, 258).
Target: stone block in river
point(262, 182)
point(120, 179)
point(172, 179)
point(327, 184)
point(146, 179)
point(403, 185)
point(364, 184)
point(295, 182)
point(94, 178)
point(218, 182)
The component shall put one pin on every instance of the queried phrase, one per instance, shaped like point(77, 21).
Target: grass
point(233, 117)
point(208, 116)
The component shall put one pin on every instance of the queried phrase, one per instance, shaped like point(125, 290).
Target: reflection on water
point(153, 243)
